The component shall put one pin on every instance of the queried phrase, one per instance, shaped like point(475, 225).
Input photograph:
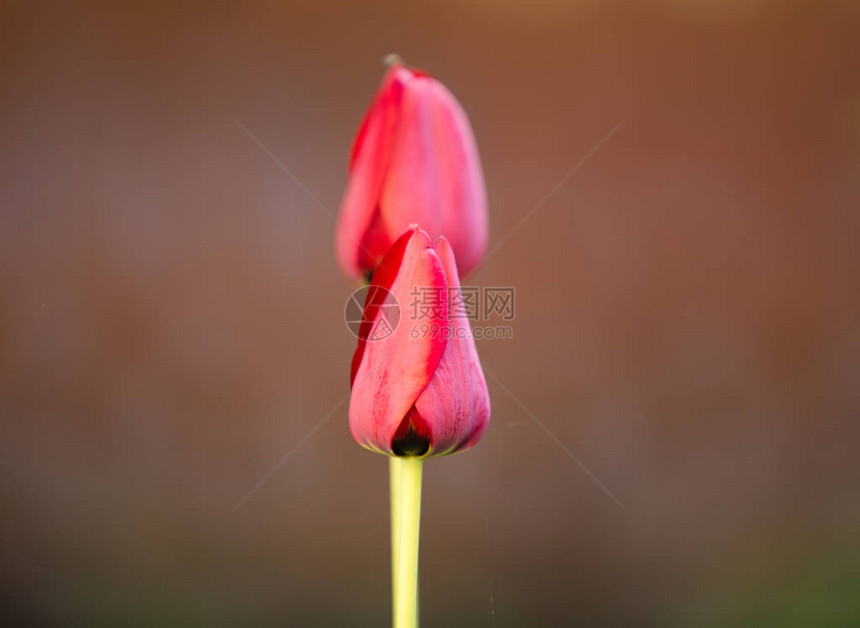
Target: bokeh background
point(171, 316)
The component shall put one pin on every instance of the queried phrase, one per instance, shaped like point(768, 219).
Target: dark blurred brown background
point(171, 316)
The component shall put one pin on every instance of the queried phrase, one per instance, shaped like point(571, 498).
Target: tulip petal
point(455, 405)
point(384, 276)
point(360, 237)
point(392, 372)
point(435, 172)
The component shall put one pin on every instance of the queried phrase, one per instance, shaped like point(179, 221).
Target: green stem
point(405, 480)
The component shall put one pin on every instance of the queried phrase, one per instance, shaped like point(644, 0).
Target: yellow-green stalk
point(405, 480)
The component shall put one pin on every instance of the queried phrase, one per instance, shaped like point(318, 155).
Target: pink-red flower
point(419, 391)
point(414, 160)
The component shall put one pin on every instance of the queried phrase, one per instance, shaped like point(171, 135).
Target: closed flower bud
point(414, 160)
point(420, 390)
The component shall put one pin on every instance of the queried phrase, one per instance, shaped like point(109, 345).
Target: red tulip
point(417, 393)
point(414, 160)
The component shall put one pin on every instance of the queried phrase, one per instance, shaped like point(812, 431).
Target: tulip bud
point(417, 394)
point(414, 160)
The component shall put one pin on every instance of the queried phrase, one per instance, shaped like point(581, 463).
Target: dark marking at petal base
point(410, 444)
point(412, 437)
